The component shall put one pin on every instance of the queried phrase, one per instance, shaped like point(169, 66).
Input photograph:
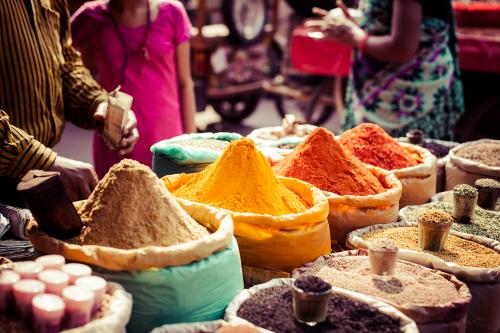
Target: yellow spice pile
point(130, 208)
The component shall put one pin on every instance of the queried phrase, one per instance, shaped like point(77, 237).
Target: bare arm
point(186, 87)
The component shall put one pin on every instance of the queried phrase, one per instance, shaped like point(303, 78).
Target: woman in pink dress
point(142, 46)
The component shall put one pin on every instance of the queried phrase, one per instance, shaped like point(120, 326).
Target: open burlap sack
point(460, 170)
point(483, 283)
point(451, 317)
point(406, 324)
point(419, 181)
point(351, 212)
point(269, 242)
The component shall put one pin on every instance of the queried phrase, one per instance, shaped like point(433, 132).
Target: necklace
point(127, 50)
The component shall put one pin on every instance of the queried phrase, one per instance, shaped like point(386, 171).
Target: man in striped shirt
point(42, 83)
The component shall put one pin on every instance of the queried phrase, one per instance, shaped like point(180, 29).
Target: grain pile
point(486, 153)
point(130, 208)
point(458, 250)
point(410, 284)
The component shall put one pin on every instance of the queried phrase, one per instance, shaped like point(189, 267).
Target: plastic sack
point(169, 158)
point(351, 212)
point(483, 283)
point(451, 317)
point(460, 170)
point(218, 223)
point(274, 242)
point(419, 181)
point(406, 324)
point(216, 326)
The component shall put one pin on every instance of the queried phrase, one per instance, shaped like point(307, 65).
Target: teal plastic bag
point(196, 292)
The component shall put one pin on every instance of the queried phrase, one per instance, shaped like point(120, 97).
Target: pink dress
point(150, 77)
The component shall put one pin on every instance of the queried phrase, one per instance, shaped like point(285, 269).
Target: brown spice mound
point(410, 284)
point(486, 153)
point(130, 208)
point(458, 250)
point(436, 216)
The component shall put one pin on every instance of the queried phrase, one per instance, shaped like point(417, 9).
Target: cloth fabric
point(424, 93)
point(150, 77)
point(42, 83)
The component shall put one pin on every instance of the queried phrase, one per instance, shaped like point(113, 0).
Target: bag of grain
point(216, 326)
point(471, 161)
point(136, 233)
point(436, 301)
point(472, 259)
point(348, 309)
point(189, 153)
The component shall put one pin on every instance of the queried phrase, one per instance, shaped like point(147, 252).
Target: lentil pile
point(321, 161)
point(241, 180)
point(458, 250)
point(486, 153)
point(272, 309)
point(484, 223)
point(130, 208)
point(410, 284)
point(372, 145)
point(210, 144)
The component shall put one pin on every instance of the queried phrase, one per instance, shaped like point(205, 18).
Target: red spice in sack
point(372, 145)
point(321, 161)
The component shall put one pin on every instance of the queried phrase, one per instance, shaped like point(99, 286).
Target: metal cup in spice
point(415, 137)
point(433, 229)
point(383, 254)
point(310, 299)
point(464, 203)
point(488, 190)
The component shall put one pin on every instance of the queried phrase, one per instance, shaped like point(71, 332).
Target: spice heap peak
point(372, 145)
point(130, 208)
point(323, 162)
point(241, 180)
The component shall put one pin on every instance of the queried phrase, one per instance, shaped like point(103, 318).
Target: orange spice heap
point(321, 161)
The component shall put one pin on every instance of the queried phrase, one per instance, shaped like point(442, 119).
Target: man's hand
point(78, 178)
point(130, 134)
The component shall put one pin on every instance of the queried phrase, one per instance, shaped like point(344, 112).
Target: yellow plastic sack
point(419, 181)
point(274, 242)
point(351, 212)
point(220, 224)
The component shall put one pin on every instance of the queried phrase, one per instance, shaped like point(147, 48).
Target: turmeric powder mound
point(321, 161)
point(130, 208)
point(241, 180)
point(372, 145)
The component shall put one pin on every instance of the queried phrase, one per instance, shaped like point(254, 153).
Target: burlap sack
point(464, 171)
point(265, 135)
point(214, 220)
point(351, 212)
point(483, 283)
point(406, 324)
point(451, 317)
point(216, 326)
point(274, 242)
point(419, 181)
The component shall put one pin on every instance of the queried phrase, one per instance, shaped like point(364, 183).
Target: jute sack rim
point(117, 316)
point(473, 166)
point(424, 169)
point(319, 205)
point(407, 325)
point(441, 161)
point(468, 274)
point(146, 257)
point(391, 195)
point(453, 310)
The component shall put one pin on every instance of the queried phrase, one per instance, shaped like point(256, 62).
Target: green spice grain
point(464, 189)
point(484, 223)
point(487, 183)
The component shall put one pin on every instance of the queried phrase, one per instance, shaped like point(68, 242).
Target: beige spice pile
point(436, 216)
point(410, 284)
point(130, 208)
point(458, 250)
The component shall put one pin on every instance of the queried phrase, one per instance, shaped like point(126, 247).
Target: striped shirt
point(42, 82)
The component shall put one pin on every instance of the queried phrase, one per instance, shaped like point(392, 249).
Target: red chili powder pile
point(372, 145)
point(321, 161)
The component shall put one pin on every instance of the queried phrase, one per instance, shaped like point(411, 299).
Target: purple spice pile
point(272, 309)
point(437, 149)
point(312, 284)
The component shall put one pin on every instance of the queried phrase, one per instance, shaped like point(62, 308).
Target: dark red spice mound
point(312, 284)
point(323, 162)
point(272, 309)
point(372, 145)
